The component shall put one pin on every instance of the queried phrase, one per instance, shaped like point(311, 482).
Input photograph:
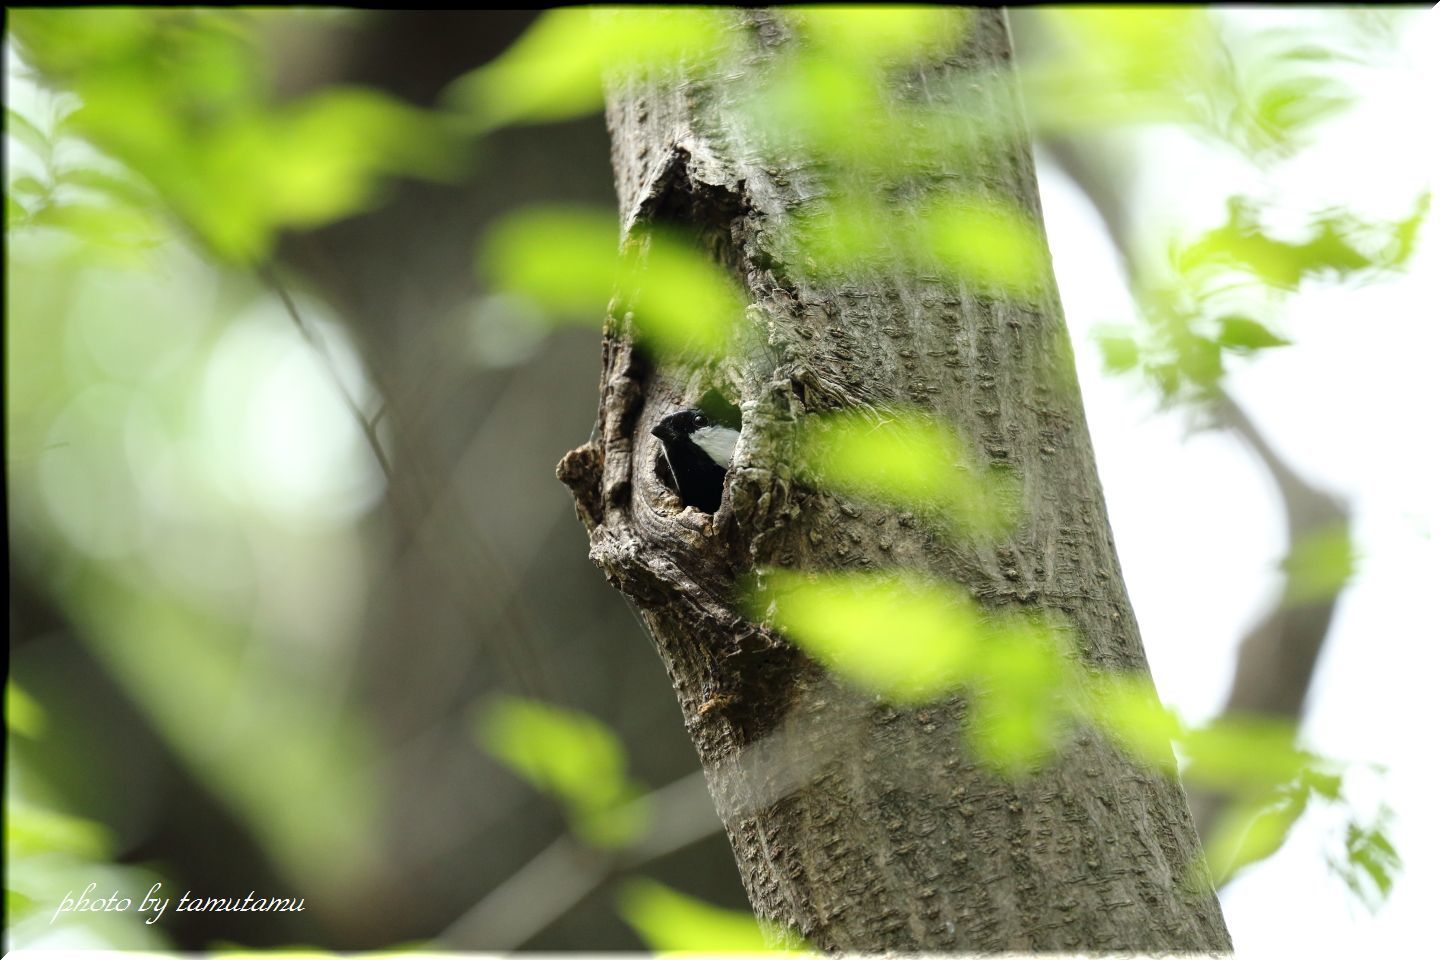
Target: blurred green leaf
point(875, 33)
point(1371, 861)
point(680, 298)
point(908, 459)
point(670, 921)
point(119, 228)
point(22, 714)
point(325, 154)
point(1244, 334)
point(1282, 83)
point(15, 212)
point(1199, 360)
point(1243, 753)
point(1123, 65)
point(558, 68)
point(17, 904)
point(31, 830)
point(1288, 107)
point(1320, 565)
point(563, 258)
point(829, 109)
point(566, 261)
point(30, 185)
point(179, 97)
point(990, 243)
point(27, 133)
point(1126, 708)
point(1323, 783)
point(1257, 91)
point(1250, 832)
point(1243, 244)
point(1221, 290)
point(66, 42)
point(119, 186)
point(1118, 350)
point(901, 637)
point(571, 756)
point(1404, 233)
point(911, 642)
point(854, 232)
point(1020, 713)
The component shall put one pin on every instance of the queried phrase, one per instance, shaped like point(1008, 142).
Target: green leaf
point(28, 134)
point(1243, 753)
point(1404, 233)
point(1292, 105)
point(992, 246)
point(1244, 334)
point(179, 98)
point(1248, 833)
point(1019, 714)
point(22, 714)
point(66, 42)
point(880, 32)
point(911, 460)
point(1126, 708)
point(1242, 244)
point(1199, 360)
point(989, 243)
point(1118, 350)
point(31, 830)
point(905, 457)
point(680, 299)
point(1371, 861)
point(17, 905)
point(565, 260)
point(571, 756)
point(833, 110)
point(117, 186)
point(853, 232)
point(1122, 66)
point(896, 635)
point(668, 920)
point(558, 68)
point(30, 185)
point(15, 213)
point(1320, 565)
point(105, 225)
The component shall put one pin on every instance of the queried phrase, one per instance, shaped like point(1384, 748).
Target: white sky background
point(1353, 405)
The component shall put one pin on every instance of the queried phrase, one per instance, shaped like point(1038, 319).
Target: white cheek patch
point(717, 442)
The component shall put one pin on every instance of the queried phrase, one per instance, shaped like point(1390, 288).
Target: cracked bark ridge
point(860, 826)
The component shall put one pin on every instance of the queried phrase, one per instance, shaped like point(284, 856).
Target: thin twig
point(679, 814)
point(317, 343)
point(565, 872)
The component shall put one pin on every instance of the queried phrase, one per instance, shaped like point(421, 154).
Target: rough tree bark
point(860, 826)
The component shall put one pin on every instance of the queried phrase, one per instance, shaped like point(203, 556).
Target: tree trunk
point(858, 825)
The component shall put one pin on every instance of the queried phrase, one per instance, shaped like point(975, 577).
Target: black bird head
point(680, 424)
point(697, 451)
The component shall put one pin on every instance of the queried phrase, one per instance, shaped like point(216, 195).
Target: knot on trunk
point(581, 470)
